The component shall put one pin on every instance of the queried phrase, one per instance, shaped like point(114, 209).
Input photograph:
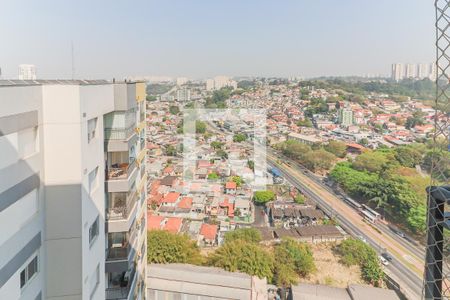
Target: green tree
point(417, 217)
point(294, 149)
point(318, 160)
point(238, 180)
point(250, 235)
point(200, 127)
point(222, 154)
point(251, 164)
point(164, 247)
point(262, 197)
point(171, 150)
point(174, 110)
point(239, 137)
point(216, 145)
point(338, 148)
point(299, 199)
point(306, 122)
point(213, 176)
point(243, 256)
point(371, 161)
point(290, 254)
point(408, 156)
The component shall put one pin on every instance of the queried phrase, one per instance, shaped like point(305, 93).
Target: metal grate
point(436, 275)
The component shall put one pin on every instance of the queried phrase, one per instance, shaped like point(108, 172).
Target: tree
point(417, 217)
point(164, 247)
point(338, 148)
point(306, 122)
point(294, 258)
point(216, 145)
point(318, 160)
point(200, 127)
point(364, 142)
point(239, 137)
point(262, 197)
point(251, 164)
point(294, 149)
point(299, 199)
point(408, 156)
point(171, 150)
point(356, 252)
point(238, 180)
point(415, 119)
point(243, 256)
point(213, 176)
point(371, 161)
point(174, 110)
point(222, 154)
point(250, 235)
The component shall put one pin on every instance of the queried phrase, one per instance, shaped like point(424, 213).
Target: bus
point(369, 217)
point(371, 211)
point(353, 203)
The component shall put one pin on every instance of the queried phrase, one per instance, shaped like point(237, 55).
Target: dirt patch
point(329, 271)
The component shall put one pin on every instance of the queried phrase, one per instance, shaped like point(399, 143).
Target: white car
point(362, 239)
point(383, 260)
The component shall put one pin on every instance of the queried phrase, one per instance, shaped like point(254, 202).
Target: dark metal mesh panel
point(436, 275)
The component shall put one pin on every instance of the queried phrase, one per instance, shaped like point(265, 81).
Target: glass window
point(93, 231)
point(28, 272)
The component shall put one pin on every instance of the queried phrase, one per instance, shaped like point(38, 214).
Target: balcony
point(120, 205)
point(119, 246)
point(120, 171)
point(119, 133)
point(120, 289)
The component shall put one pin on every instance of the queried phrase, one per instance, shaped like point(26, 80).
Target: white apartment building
point(411, 71)
point(220, 82)
point(397, 72)
point(27, 72)
point(346, 117)
point(54, 208)
point(184, 95)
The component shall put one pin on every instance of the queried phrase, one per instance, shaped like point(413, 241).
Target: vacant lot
point(330, 271)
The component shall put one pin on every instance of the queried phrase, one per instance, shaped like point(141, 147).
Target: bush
point(250, 235)
point(164, 247)
point(262, 197)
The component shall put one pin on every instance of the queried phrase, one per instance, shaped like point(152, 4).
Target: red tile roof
point(208, 231)
point(231, 185)
point(173, 224)
point(154, 222)
point(171, 197)
point(186, 202)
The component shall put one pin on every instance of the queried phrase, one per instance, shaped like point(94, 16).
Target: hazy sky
point(202, 38)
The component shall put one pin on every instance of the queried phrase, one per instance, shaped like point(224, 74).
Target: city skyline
point(204, 39)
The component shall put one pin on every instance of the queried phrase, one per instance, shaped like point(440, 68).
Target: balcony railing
point(122, 171)
point(118, 253)
point(122, 211)
point(119, 133)
point(121, 291)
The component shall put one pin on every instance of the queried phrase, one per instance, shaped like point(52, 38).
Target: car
point(383, 260)
point(400, 234)
point(387, 256)
point(363, 239)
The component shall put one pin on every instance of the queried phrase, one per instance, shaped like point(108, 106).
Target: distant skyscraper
point(210, 84)
point(433, 72)
point(27, 72)
point(423, 71)
point(411, 71)
point(397, 72)
point(345, 117)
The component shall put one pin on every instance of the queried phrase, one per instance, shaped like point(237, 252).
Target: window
point(28, 273)
point(93, 180)
point(92, 127)
point(27, 142)
point(93, 231)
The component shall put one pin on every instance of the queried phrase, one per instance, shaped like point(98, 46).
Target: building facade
point(53, 201)
point(345, 117)
point(27, 72)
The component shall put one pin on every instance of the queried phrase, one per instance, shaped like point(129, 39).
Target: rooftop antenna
point(73, 62)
